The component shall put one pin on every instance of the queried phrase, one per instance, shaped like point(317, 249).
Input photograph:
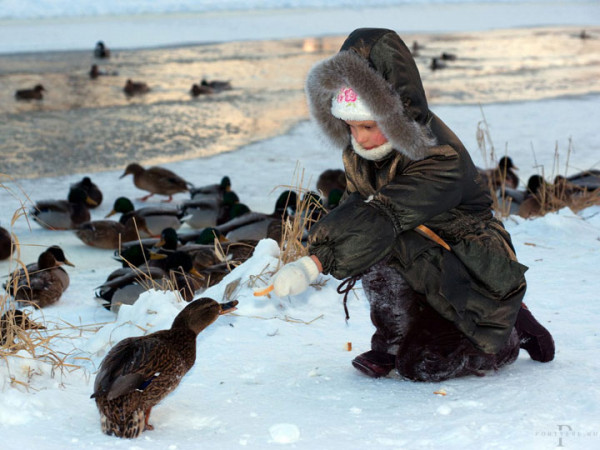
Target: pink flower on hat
point(346, 94)
point(350, 95)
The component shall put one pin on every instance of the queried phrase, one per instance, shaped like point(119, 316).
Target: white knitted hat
point(347, 105)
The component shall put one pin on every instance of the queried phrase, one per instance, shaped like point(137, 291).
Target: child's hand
point(295, 277)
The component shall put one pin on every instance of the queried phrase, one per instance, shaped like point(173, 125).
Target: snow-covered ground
point(278, 370)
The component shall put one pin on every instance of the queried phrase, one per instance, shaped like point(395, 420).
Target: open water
point(84, 125)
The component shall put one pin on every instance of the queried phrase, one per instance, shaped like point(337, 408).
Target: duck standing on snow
point(63, 214)
point(31, 94)
point(139, 372)
point(156, 180)
point(7, 245)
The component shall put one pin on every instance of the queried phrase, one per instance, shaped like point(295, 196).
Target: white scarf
point(374, 154)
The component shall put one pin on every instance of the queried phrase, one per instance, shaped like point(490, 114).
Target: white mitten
point(295, 277)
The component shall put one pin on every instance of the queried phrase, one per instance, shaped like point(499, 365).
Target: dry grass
point(550, 198)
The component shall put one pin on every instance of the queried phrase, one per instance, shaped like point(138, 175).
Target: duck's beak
point(228, 307)
point(160, 243)
point(90, 201)
point(195, 272)
point(157, 256)
point(111, 213)
point(69, 263)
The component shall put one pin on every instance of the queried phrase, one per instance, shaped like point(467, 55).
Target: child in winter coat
point(440, 272)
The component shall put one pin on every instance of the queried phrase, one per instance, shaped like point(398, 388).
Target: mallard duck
point(109, 233)
point(101, 51)
point(157, 218)
point(205, 254)
point(212, 191)
point(63, 214)
point(31, 94)
point(42, 287)
point(209, 211)
point(198, 90)
point(588, 179)
point(123, 286)
point(13, 322)
point(7, 245)
point(135, 88)
point(139, 372)
point(216, 85)
point(538, 198)
point(156, 180)
point(502, 176)
point(437, 64)
point(331, 179)
point(160, 271)
point(254, 226)
point(19, 277)
point(91, 189)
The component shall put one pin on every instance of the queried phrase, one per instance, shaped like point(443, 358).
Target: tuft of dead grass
point(551, 197)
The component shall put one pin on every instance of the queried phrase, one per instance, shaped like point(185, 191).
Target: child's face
point(366, 133)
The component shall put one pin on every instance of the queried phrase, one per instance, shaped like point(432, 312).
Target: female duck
point(156, 180)
point(140, 371)
point(109, 233)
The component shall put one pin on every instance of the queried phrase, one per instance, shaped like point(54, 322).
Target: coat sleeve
point(352, 237)
point(424, 189)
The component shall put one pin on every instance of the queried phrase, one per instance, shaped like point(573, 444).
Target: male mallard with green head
point(139, 372)
point(156, 180)
point(157, 217)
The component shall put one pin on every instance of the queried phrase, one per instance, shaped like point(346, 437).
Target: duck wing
point(130, 365)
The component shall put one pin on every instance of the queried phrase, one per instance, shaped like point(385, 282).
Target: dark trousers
point(427, 347)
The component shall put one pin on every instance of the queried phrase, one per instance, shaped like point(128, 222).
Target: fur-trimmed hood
point(380, 68)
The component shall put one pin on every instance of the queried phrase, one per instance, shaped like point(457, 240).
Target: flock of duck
point(138, 372)
point(131, 88)
point(539, 196)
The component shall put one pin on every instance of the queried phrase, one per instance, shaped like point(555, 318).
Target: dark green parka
point(428, 179)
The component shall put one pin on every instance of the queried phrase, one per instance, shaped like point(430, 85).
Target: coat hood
point(379, 67)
